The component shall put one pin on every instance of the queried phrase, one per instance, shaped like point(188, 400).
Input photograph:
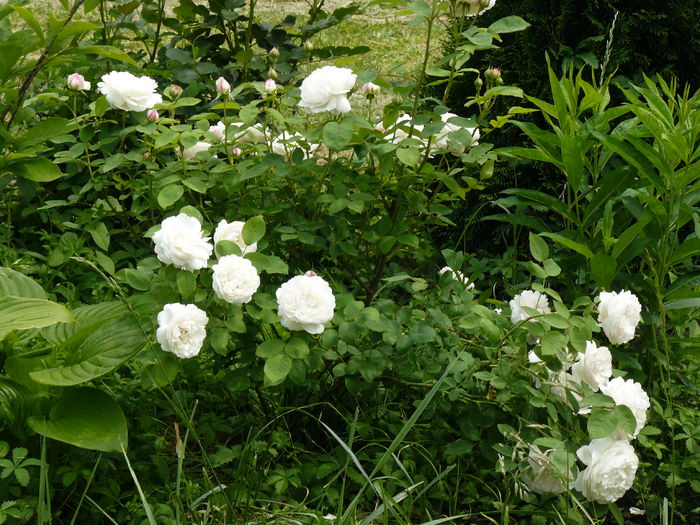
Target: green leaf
point(37, 169)
point(17, 284)
point(224, 248)
point(296, 348)
point(538, 248)
point(31, 20)
point(601, 423)
point(186, 283)
point(268, 349)
point(94, 351)
point(253, 230)
point(138, 279)
point(87, 418)
point(22, 313)
point(169, 195)
point(409, 156)
point(105, 51)
point(277, 368)
point(99, 234)
point(598, 400)
point(625, 419)
point(44, 130)
point(565, 241)
point(553, 343)
point(603, 270)
point(336, 136)
point(509, 24)
point(551, 268)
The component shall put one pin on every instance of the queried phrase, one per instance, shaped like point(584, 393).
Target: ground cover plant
point(239, 285)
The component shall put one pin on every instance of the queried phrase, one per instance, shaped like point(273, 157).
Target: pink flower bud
point(175, 91)
point(493, 75)
point(270, 86)
point(152, 115)
point(274, 52)
point(370, 88)
point(76, 82)
point(222, 86)
point(236, 151)
point(310, 273)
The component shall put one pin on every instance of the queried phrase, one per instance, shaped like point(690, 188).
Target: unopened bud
point(493, 75)
point(274, 52)
point(272, 74)
point(310, 273)
point(175, 91)
point(270, 86)
point(236, 151)
point(478, 83)
point(76, 82)
point(369, 88)
point(146, 155)
point(308, 46)
point(222, 86)
point(152, 115)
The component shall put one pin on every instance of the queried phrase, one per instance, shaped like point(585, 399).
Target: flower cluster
point(305, 302)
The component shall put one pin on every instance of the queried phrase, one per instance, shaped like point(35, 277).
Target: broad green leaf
point(277, 368)
point(99, 233)
point(270, 348)
point(601, 423)
point(17, 284)
point(22, 313)
point(224, 248)
point(45, 130)
point(296, 348)
point(603, 270)
point(105, 51)
point(100, 349)
point(87, 418)
point(409, 156)
point(253, 230)
point(169, 195)
point(509, 24)
point(598, 400)
point(336, 136)
point(630, 234)
point(31, 20)
point(186, 283)
point(572, 157)
point(37, 169)
point(84, 317)
point(538, 248)
point(565, 241)
point(625, 419)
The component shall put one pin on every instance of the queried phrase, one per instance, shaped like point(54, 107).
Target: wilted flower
point(619, 315)
point(235, 279)
point(270, 86)
point(181, 329)
point(544, 479)
point(181, 242)
point(76, 82)
point(152, 115)
point(632, 395)
point(233, 231)
point(219, 130)
point(222, 86)
point(529, 299)
point(305, 302)
point(457, 276)
point(611, 467)
point(191, 152)
point(594, 367)
point(129, 92)
point(326, 89)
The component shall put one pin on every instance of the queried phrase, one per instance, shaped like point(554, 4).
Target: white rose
point(305, 302)
point(593, 367)
point(619, 315)
point(181, 242)
point(530, 299)
point(233, 231)
point(457, 276)
point(326, 89)
point(631, 394)
point(235, 279)
point(473, 7)
point(239, 132)
point(219, 130)
point(128, 92)
point(191, 152)
point(441, 138)
point(285, 144)
point(611, 467)
point(544, 479)
point(401, 129)
point(181, 329)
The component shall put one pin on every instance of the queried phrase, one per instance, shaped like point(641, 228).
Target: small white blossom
point(76, 82)
point(593, 367)
point(457, 276)
point(222, 86)
point(529, 299)
point(191, 152)
point(219, 130)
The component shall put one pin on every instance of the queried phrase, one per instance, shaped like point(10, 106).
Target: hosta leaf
point(22, 313)
point(19, 285)
point(103, 349)
point(87, 418)
point(84, 316)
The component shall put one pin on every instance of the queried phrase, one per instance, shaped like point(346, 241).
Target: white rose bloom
point(129, 92)
point(235, 279)
point(473, 7)
point(191, 152)
point(544, 479)
point(181, 329)
point(219, 130)
point(611, 467)
point(233, 231)
point(239, 132)
point(305, 302)
point(181, 242)
point(442, 137)
point(326, 89)
point(457, 276)
point(631, 394)
point(593, 367)
point(531, 299)
point(619, 315)
point(285, 143)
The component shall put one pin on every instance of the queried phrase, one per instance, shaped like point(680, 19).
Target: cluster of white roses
point(611, 463)
point(305, 302)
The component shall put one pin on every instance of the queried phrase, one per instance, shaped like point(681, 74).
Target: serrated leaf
point(297, 348)
point(336, 136)
point(409, 156)
point(87, 418)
